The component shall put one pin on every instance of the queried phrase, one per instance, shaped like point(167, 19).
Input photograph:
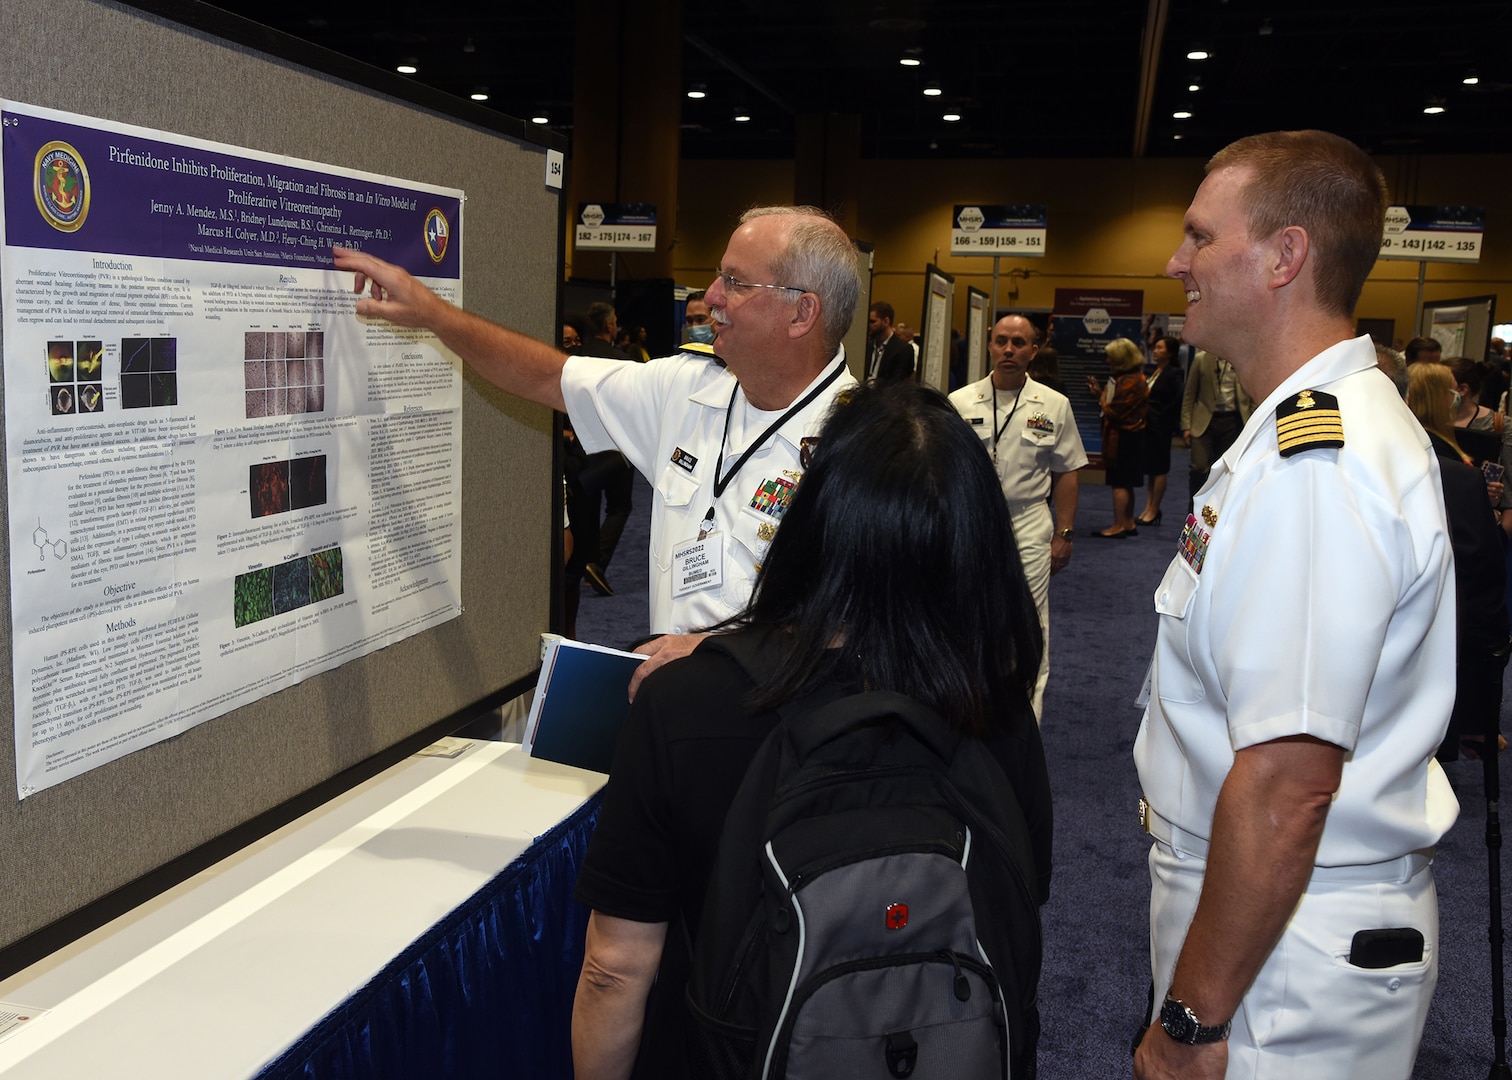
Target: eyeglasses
point(733, 283)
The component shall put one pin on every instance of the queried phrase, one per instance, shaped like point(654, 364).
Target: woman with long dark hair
point(894, 569)
point(1166, 384)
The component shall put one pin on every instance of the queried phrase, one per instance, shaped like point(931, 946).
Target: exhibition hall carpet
point(1096, 963)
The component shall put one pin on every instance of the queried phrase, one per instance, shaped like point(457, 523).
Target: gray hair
point(1394, 364)
point(820, 258)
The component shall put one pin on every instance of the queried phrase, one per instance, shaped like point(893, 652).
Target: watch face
point(1178, 1021)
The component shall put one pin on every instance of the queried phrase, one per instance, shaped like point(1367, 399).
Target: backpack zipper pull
point(962, 984)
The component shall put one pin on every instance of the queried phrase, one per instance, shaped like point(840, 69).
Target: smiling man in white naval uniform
point(1305, 658)
point(722, 444)
point(1028, 430)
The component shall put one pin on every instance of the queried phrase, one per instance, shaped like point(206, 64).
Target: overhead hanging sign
point(1434, 233)
point(616, 227)
point(999, 230)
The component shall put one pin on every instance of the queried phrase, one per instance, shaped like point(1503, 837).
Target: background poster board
point(1083, 324)
point(1462, 326)
point(978, 327)
point(151, 807)
point(939, 296)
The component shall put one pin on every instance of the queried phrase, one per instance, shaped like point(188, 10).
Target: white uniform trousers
point(1033, 528)
point(1310, 1014)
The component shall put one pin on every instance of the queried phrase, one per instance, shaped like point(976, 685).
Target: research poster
point(221, 481)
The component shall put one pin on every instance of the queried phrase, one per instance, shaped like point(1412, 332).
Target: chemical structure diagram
point(59, 547)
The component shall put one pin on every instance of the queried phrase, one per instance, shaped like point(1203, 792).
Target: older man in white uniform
point(1030, 433)
point(723, 444)
point(1304, 665)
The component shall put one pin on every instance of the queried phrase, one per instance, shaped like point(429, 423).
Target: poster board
point(934, 352)
point(72, 844)
point(978, 329)
point(1461, 326)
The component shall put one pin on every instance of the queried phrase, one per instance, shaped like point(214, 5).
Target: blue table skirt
point(486, 992)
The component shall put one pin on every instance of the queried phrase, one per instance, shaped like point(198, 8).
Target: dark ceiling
point(1064, 78)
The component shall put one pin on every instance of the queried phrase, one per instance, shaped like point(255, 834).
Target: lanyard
point(997, 432)
point(722, 482)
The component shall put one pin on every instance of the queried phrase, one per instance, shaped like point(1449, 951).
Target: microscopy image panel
point(90, 358)
point(326, 578)
point(296, 373)
point(255, 374)
point(291, 585)
point(315, 343)
point(257, 404)
point(136, 355)
point(60, 361)
point(294, 344)
point(165, 354)
point(164, 387)
point(307, 482)
point(257, 345)
point(136, 391)
point(296, 400)
point(252, 596)
point(315, 372)
point(277, 345)
point(63, 400)
point(91, 397)
point(278, 401)
point(314, 399)
point(278, 373)
point(268, 487)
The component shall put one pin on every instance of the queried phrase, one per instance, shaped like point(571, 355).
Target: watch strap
point(1181, 1024)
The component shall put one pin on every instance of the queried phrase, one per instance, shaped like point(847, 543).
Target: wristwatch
point(1181, 1024)
point(1066, 534)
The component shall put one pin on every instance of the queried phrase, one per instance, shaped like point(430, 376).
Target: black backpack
point(871, 910)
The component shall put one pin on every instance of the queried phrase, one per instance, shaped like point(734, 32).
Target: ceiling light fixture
point(407, 67)
point(697, 92)
point(1471, 79)
point(951, 117)
point(480, 94)
point(540, 118)
point(1433, 108)
point(932, 90)
point(1198, 54)
point(1181, 114)
point(910, 57)
point(741, 116)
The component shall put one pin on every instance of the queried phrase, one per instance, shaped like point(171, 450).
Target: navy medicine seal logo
point(61, 185)
point(437, 235)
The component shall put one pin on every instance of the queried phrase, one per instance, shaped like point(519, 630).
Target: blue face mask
point(704, 334)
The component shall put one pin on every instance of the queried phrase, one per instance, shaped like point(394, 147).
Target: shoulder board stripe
point(1309, 421)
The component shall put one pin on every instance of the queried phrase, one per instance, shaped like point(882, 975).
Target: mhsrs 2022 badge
point(437, 235)
point(61, 184)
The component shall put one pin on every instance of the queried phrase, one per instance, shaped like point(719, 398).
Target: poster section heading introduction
point(221, 481)
point(121, 190)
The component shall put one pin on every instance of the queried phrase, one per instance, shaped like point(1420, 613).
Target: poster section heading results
point(221, 481)
point(120, 190)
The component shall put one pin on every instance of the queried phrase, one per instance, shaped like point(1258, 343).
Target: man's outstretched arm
point(511, 361)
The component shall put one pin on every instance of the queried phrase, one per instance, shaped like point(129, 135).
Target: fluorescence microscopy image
point(307, 482)
point(60, 361)
point(326, 578)
point(291, 585)
point(90, 358)
point(268, 486)
point(164, 387)
point(164, 354)
point(252, 596)
point(136, 355)
point(136, 391)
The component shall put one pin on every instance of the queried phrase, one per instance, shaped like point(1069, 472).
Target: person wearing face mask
point(698, 325)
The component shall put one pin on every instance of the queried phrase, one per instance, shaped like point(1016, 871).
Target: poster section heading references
point(221, 481)
point(980, 229)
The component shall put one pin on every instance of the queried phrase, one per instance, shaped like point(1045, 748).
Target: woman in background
point(1166, 383)
point(1125, 403)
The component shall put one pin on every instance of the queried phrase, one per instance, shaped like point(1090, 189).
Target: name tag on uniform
point(698, 565)
point(977, 421)
point(683, 460)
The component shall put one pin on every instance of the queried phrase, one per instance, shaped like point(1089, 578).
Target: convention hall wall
point(1113, 224)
